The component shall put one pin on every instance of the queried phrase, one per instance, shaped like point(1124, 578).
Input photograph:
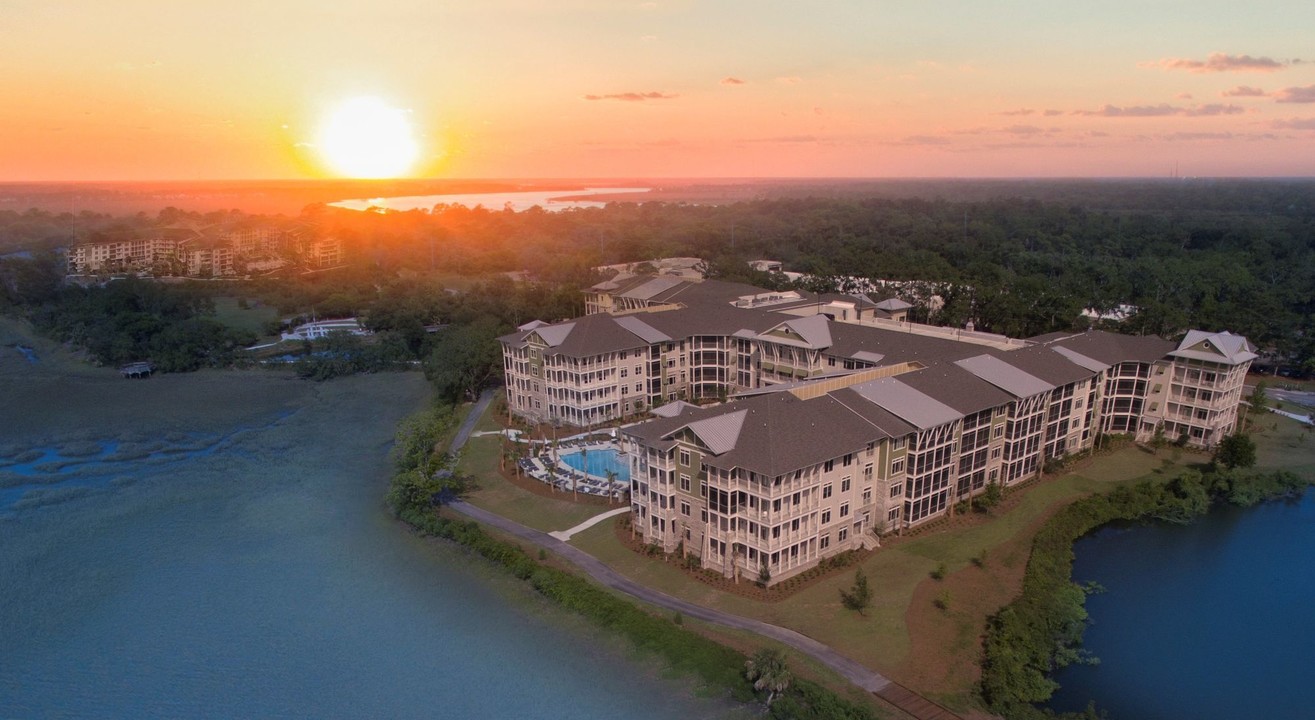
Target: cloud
point(787, 139)
point(732, 81)
point(1198, 136)
point(1024, 111)
point(1183, 96)
point(1296, 94)
point(1052, 113)
point(1243, 91)
point(633, 96)
point(1294, 124)
point(925, 140)
point(789, 80)
point(1023, 130)
point(1219, 62)
point(1163, 110)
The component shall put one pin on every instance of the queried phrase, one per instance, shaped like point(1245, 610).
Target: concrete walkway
point(565, 535)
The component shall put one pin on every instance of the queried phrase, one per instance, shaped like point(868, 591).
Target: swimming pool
point(598, 462)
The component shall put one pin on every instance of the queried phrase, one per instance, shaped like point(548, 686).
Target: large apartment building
point(200, 251)
point(837, 425)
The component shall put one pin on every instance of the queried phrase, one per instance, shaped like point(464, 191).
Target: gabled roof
point(1005, 376)
point(1114, 348)
point(718, 433)
point(812, 332)
point(673, 409)
point(893, 305)
point(554, 335)
point(1221, 347)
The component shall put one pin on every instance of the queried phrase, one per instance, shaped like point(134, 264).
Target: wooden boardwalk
point(913, 703)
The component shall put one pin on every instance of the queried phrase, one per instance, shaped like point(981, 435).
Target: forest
point(1019, 258)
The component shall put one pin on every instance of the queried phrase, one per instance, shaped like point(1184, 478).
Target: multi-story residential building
point(839, 425)
point(198, 251)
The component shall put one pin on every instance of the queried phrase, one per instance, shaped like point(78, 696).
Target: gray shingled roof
point(719, 433)
point(1078, 358)
point(646, 291)
point(1220, 347)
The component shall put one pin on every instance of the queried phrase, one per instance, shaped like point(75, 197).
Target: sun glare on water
point(367, 138)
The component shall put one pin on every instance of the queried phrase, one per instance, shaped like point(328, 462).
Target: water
point(1210, 620)
point(598, 462)
point(252, 572)
point(517, 201)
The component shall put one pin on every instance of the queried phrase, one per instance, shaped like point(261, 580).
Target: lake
point(1204, 621)
point(547, 199)
point(215, 545)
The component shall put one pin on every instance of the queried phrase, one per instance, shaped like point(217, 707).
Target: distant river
point(214, 546)
point(548, 200)
point(1213, 620)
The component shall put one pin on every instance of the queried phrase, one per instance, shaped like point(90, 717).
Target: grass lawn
point(881, 637)
point(497, 494)
point(253, 318)
point(1283, 443)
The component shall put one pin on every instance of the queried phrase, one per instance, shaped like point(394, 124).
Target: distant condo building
point(206, 251)
point(840, 420)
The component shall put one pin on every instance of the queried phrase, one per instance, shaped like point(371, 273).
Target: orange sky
point(138, 89)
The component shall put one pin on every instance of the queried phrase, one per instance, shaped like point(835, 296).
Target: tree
point(465, 359)
point(858, 597)
point(1259, 396)
point(767, 671)
point(1236, 451)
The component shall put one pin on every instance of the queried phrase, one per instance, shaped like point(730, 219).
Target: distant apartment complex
point(200, 251)
point(842, 421)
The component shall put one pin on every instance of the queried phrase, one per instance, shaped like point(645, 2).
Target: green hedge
point(1041, 631)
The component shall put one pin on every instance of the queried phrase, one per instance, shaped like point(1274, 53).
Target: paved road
point(853, 671)
point(468, 426)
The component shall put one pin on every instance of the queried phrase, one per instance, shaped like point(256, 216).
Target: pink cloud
point(1296, 94)
point(1024, 111)
point(1219, 62)
point(1243, 91)
point(1052, 113)
point(1162, 110)
point(732, 81)
point(633, 96)
point(1294, 124)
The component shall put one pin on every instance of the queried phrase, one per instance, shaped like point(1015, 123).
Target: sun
point(365, 137)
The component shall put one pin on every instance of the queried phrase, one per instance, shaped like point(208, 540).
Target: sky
point(242, 89)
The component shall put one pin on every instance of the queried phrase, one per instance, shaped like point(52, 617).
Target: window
point(999, 431)
point(893, 515)
point(867, 472)
point(847, 460)
point(867, 496)
point(898, 489)
point(826, 491)
point(844, 510)
point(897, 467)
point(684, 458)
point(639, 387)
point(897, 443)
point(684, 482)
point(684, 508)
point(844, 484)
point(828, 466)
point(842, 535)
point(623, 372)
point(824, 542)
point(826, 517)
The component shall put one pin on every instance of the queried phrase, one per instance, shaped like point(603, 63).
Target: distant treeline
point(1216, 255)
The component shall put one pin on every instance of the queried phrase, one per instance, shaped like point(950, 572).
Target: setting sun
point(367, 138)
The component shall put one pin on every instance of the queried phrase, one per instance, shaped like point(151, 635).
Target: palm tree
point(767, 671)
point(611, 481)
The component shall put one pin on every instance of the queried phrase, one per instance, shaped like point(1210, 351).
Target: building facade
point(835, 427)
